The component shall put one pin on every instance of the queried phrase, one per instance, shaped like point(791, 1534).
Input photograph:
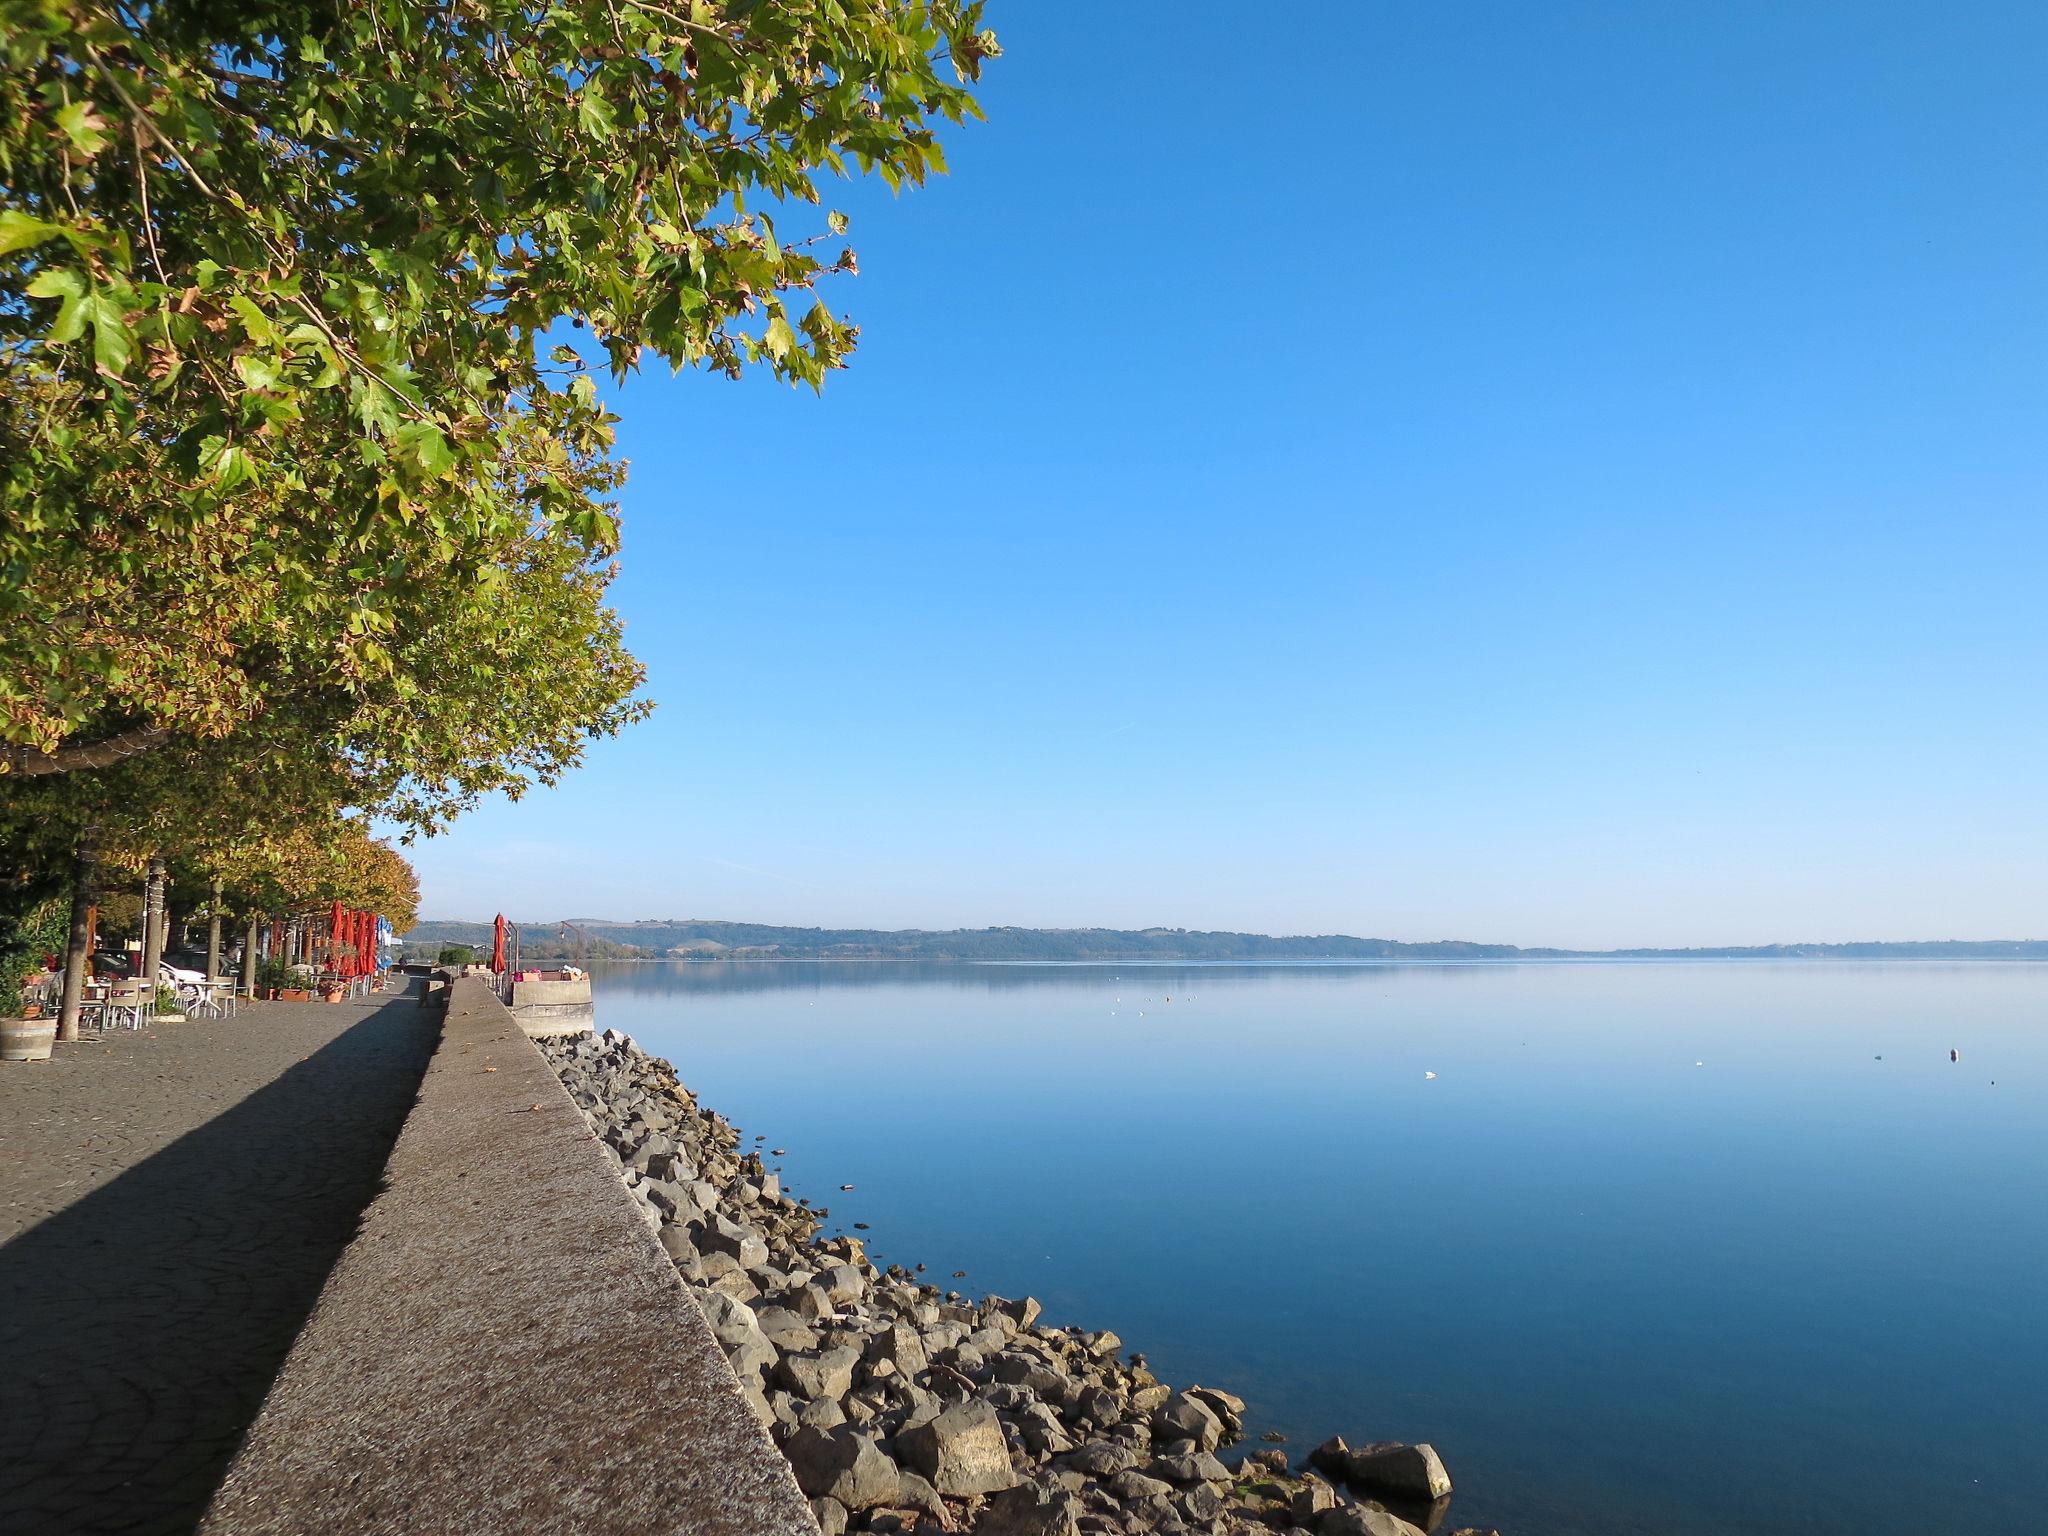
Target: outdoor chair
point(129, 1004)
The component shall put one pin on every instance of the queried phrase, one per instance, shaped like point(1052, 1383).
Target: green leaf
point(84, 127)
point(594, 114)
point(423, 444)
point(19, 231)
point(836, 222)
point(62, 283)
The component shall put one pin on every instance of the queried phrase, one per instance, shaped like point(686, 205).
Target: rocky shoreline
point(905, 1407)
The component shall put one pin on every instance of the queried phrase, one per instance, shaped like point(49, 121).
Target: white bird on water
point(1429, 1077)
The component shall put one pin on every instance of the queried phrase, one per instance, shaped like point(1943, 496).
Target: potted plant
point(168, 1009)
point(24, 1034)
point(272, 975)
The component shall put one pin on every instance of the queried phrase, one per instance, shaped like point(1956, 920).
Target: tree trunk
point(213, 934)
point(152, 910)
point(153, 921)
point(78, 943)
point(249, 956)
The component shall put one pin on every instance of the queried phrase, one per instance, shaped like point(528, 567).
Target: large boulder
point(841, 1464)
point(1412, 1471)
point(962, 1451)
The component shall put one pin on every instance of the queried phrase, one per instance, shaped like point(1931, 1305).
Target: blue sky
point(1554, 474)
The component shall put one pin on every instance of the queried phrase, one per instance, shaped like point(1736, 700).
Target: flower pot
point(270, 994)
point(330, 994)
point(27, 1039)
point(294, 995)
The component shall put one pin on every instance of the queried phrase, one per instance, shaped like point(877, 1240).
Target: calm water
point(1662, 1248)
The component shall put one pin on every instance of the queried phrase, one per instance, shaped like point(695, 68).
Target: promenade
point(170, 1204)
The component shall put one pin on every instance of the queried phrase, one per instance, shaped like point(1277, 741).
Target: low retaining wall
point(504, 1348)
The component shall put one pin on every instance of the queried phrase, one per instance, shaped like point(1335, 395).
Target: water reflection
point(1644, 1218)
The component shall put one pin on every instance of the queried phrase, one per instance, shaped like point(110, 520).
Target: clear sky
point(1540, 473)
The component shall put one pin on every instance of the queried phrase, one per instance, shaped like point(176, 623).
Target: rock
point(962, 1451)
point(1223, 1404)
point(841, 1464)
point(916, 1493)
point(1201, 1467)
point(1182, 1417)
point(900, 1346)
point(1023, 1312)
point(1032, 1509)
point(1412, 1471)
point(1332, 1456)
point(831, 1516)
point(1364, 1520)
point(743, 1244)
point(1310, 1500)
point(821, 1413)
point(825, 1373)
point(785, 1330)
point(1103, 1458)
point(1129, 1485)
point(1202, 1503)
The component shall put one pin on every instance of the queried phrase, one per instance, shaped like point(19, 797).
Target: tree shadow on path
point(141, 1326)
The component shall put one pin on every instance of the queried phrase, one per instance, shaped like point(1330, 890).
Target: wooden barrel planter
point(27, 1039)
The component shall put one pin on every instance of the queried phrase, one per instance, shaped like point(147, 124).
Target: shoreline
point(903, 1405)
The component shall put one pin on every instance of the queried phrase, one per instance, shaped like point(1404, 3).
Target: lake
point(1662, 1246)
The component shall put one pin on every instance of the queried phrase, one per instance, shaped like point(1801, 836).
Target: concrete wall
point(504, 1348)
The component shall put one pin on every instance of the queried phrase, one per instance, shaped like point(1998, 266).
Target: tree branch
point(30, 763)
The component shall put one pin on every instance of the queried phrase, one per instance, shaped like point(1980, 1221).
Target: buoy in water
point(1955, 1055)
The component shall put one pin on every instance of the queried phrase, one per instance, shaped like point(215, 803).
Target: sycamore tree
point(297, 457)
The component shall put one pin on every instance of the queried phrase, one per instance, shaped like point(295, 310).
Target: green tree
point(293, 443)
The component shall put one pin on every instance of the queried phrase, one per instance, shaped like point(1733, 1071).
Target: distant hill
point(699, 939)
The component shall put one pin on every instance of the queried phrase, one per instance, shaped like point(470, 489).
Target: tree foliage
point(294, 446)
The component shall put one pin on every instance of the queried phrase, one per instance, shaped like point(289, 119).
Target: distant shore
point(705, 939)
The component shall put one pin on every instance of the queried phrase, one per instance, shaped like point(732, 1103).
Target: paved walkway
point(170, 1204)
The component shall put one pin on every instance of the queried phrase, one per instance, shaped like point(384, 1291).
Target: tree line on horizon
point(696, 939)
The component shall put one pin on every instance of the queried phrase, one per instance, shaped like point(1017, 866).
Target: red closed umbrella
point(335, 936)
point(498, 943)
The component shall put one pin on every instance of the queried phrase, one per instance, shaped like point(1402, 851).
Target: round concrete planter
point(27, 1039)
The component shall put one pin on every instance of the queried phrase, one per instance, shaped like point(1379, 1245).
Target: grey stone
point(831, 1516)
point(900, 1346)
point(1413, 1471)
point(1188, 1418)
point(962, 1450)
point(1032, 1509)
point(1023, 1312)
point(1102, 1458)
point(729, 1237)
point(785, 1330)
point(823, 1373)
point(1332, 1456)
point(1226, 1406)
point(1129, 1485)
point(1195, 1467)
point(841, 1464)
point(1364, 1520)
point(821, 1413)
point(1310, 1500)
